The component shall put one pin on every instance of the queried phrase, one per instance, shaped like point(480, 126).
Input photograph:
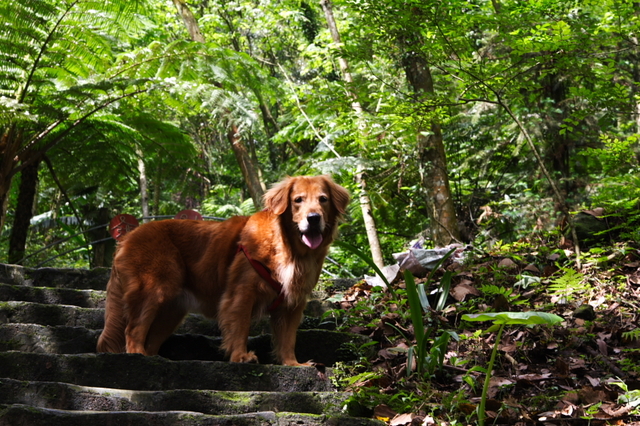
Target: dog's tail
point(112, 338)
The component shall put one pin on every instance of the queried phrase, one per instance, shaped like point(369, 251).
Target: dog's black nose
point(313, 218)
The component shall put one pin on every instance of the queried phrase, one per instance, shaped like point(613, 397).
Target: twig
point(614, 369)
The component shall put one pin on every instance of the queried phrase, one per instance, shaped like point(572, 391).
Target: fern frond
point(569, 284)
point(632, 335)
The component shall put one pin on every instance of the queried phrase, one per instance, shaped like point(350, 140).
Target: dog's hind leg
point(141, 316)
point(112, 336)
point(168, 318)
point(149, 293)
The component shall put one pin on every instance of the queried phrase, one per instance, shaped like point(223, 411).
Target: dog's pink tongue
point(312, 241)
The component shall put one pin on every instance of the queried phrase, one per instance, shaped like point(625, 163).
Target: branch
point(39, 153)
point(61, 188)
point(556, 192)
point(43, 48)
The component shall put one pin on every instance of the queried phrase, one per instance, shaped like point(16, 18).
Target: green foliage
point(617, 156)
point(632, 335)
point(569, 285)
point(508, 293)
point(89, 80)
point(630, 398)
point(427, 363)
point(500, 320)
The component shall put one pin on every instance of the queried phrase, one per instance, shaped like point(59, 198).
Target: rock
point(585, 312)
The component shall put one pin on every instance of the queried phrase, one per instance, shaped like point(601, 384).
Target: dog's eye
point(297, 200)
point(323, 199)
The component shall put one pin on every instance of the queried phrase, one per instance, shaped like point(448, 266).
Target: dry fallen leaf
point(402, 419)
point(461, 291)
point(507, 263)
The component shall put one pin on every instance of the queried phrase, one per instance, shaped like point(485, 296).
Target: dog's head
point(314, 203)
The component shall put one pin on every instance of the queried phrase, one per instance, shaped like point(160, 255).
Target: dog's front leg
point(234, 320)
point(284, 325)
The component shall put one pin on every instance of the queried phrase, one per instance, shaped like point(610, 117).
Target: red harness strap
point(265, 274)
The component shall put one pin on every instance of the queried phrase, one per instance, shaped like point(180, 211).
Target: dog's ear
point(277, 198)
point(339, 195)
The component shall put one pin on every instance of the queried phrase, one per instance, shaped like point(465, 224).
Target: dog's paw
point(295, 363)
point(248, 357)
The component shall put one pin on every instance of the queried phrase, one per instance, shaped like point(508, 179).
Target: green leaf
point(513, 318)
point(415, 307)
point(365, 258)
point(445, 285)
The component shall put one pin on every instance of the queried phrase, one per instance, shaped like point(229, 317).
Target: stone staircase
point(50, 320)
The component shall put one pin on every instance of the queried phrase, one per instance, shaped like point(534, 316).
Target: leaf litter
point(581, 371)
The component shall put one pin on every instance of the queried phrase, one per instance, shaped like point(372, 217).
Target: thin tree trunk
point(144, 192)
point(156, 191)
point(9, 146)
point(102, 253)
point(369, 222)
point(432, 159)
point(250, 170)
point(24, 212)
point(635, 59)
point(189, 21)
point(365, 201)
point(247, 166)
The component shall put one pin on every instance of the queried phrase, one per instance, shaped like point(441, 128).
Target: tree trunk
point(24, 212)
point(365, 201)
point(248, 168)
point(144, 191)
point(189, 21)
point(9, 146)
point(432, 159)
point(557, 152)
point(369, 221)
point(102, 252)
point(250, 171)
point(156, 190)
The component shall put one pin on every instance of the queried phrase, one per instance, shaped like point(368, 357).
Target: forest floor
point(583, 370)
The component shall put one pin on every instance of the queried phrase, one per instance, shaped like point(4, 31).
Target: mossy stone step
point(95, 279)
point(36, 338)
point(53, 296)
point(16, 312)
point(64, 396)
point(43, 339)
point(45, 314)
point(18, 415)
point(138, 372)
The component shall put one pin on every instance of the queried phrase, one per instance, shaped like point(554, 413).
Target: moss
point(238, 397)
point(10, 345)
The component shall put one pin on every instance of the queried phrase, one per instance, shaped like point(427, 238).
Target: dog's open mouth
point(312, 239)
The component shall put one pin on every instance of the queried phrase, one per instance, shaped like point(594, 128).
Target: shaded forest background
point(451, 121)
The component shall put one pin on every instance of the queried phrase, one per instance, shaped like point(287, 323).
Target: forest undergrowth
point(581, 370)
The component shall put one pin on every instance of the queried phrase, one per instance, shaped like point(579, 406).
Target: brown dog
point(165, 269)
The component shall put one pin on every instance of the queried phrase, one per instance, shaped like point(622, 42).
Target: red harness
point(265, 274)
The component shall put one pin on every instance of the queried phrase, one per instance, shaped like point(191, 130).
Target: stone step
point(74, 316)
point(64, 396)
point(45, 314)
point(43, 339)
point(53, 296)
point(18, 415)
point(36, 338)
point(138, 372)
point(95, 279)
point(20, 312)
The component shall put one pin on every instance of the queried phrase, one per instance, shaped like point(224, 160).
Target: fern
point(568, 285)
point(632, 335)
